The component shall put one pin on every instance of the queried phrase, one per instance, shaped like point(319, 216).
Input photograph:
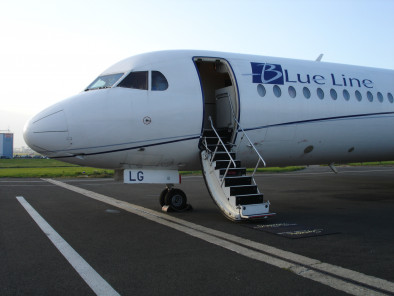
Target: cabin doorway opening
point(220, 94)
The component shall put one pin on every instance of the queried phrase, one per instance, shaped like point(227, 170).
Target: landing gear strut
point(172, 199)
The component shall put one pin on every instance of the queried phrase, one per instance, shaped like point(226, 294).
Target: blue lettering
point(131, 178)
point(275, 74)
point(351, 82)
point(367, 82)
point(287, 77)
point(333, 81)
point(318, 78)
point(344, 80)
point(308, 80)
point(140, 176)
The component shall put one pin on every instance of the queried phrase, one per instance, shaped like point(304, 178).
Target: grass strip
point(33, 163)
point(55, 172)
point(374, 163)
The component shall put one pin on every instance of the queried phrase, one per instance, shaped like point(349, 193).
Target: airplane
point(151, 115)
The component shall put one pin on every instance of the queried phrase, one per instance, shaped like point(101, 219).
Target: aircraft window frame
point(135, 80)
point(277, 91)
point(292, 92)
point(358, 95)
point(106, 81)
point(261, 90)
point(306, 92)
point(369, 96)
point(380, 97)
point(346, 95)
point(333, 94)
point(158, 81)
point(390, 97)
point(320, 93)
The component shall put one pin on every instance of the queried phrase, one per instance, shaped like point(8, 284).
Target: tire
point(162, 197)
point(176, 199)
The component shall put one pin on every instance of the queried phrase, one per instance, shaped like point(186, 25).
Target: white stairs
point(235, 193)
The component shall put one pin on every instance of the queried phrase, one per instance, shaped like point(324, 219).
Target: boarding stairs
point(235, 193)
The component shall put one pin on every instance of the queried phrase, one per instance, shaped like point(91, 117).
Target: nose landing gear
point(173, 199)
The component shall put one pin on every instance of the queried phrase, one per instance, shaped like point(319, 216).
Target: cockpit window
point(136, 80)
point(105, 81)
point(159, 82)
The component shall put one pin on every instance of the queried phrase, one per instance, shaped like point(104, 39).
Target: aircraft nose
point(47, 132)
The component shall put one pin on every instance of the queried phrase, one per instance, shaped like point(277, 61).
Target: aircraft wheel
point(162, 197)
point(176, 199)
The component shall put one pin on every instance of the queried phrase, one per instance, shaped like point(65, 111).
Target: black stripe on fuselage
point(319, 120)
point(130, 148)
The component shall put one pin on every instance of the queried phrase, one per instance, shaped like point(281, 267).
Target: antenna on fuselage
point(319, 58)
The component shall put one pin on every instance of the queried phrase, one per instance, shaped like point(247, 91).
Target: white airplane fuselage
point(276, 101)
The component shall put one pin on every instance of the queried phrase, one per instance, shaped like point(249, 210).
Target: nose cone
point(47, 132)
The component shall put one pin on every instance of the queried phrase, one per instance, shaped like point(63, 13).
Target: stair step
point(211, 140)
point(234, 181)
point(233, 172)
point(249, 199)
point(220, 164)
point(212, 147)
point(222, 132)
point(222, 155)
point(243, 190)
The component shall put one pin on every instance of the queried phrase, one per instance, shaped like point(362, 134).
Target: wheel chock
point(168, 209)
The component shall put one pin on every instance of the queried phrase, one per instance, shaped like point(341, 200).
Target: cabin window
point(277, 91)
point(159, 82)
point(261, 90)
point(105, 81)
point(333, 94)
point(358, 96)
point(346, 95)
point(292, 92)
point(380, 97)
point(320, 93)
point(369, 96)
point(136, 80)
point(390, 97)
point(306, 92)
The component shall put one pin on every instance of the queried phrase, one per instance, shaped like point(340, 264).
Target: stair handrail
point(247, 137)
point(221, 142)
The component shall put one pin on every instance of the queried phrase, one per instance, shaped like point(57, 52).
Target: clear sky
point(52, 49)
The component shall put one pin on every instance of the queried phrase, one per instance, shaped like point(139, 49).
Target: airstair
point(235, 193)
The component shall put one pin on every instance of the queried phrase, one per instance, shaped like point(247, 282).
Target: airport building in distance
point(6, 145)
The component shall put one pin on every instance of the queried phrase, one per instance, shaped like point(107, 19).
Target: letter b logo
point(267, 73)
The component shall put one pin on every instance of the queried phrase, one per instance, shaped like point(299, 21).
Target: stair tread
point(251, 194)
point(234, 169)
point(222, 164)
point(237, 180)
point(223, 155)
point(249, 199)
point(243, 190)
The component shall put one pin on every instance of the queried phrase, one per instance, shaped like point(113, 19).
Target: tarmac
point(97, 236)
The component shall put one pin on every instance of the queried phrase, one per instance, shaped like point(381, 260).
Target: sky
point(51, 49)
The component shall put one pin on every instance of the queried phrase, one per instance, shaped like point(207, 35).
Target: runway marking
point(89, 275)
point(339, 278)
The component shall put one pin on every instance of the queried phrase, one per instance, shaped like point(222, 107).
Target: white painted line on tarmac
point(88, 274)
point(339, 278)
